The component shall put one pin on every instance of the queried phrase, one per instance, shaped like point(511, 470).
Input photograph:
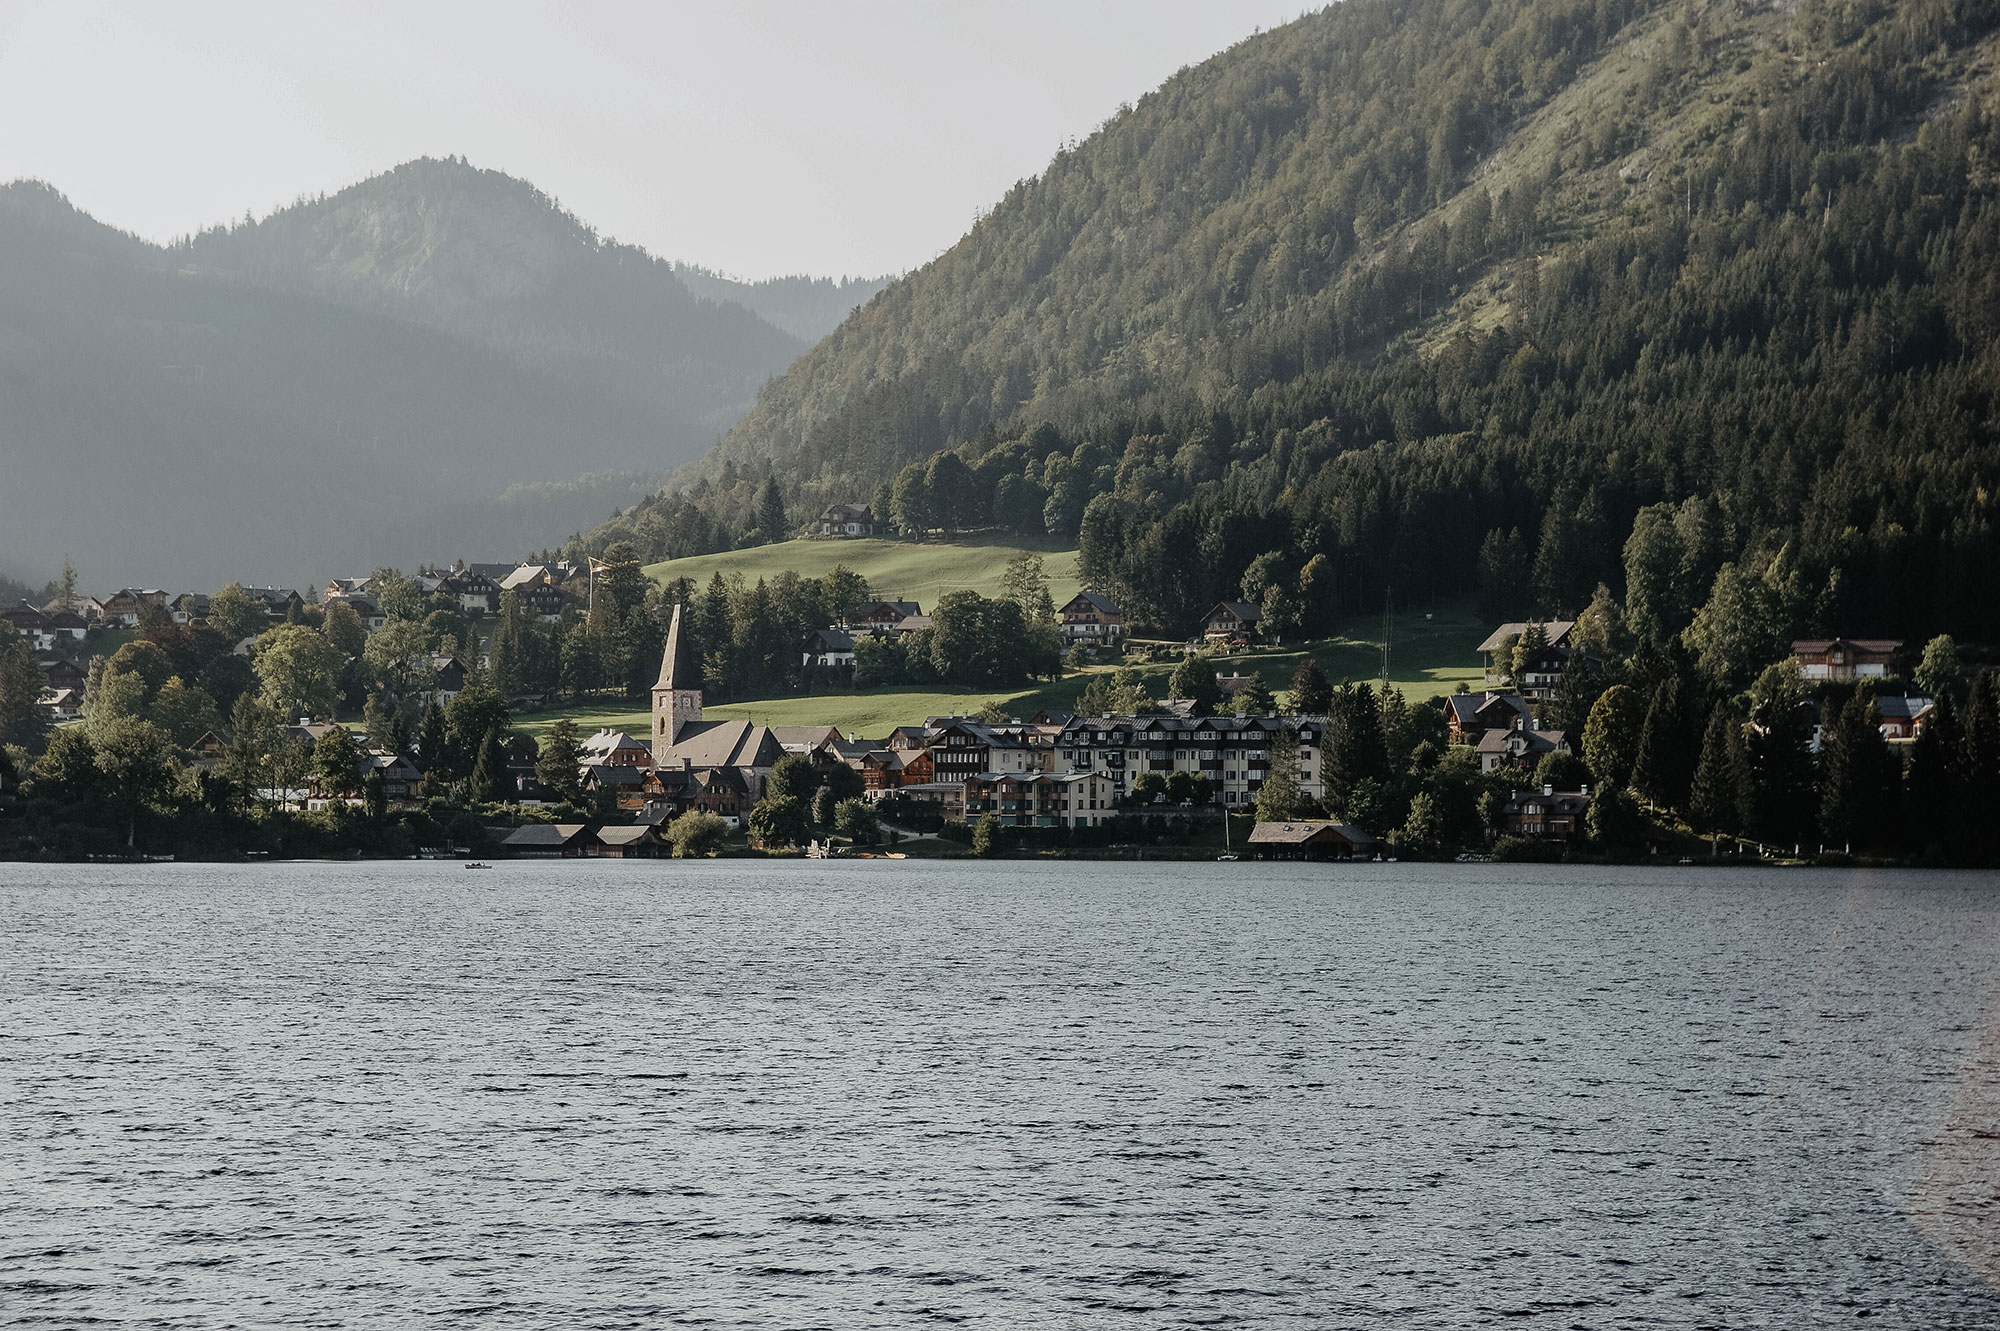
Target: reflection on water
point(599, 1095)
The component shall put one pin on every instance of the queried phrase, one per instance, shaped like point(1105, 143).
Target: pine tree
point(1980, 765)
point(1931, 786)
point(1665, 766)
point(1840, 770)
point(1278, 797)
point(771, 513)
point(379, 717)
point(1311, 692)
point(434, 742)
point(559, 765)
point(491, 781)
point(505, 653)
point(1719, 800)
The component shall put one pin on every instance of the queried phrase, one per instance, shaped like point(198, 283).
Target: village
point(1544, 760)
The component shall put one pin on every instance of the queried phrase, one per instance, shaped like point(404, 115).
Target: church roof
point(678, 668)
point(724, 744)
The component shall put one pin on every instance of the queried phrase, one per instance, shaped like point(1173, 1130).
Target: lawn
point(1431, 653)
point(873, 714)
point(896, 570)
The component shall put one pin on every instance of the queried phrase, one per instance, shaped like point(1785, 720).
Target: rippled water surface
point(851, 1094)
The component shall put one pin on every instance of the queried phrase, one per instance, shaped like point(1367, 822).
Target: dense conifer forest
point(1700, 302)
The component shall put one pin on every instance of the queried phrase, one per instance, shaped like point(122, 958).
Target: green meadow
point(896, 570)
point(1431, 653)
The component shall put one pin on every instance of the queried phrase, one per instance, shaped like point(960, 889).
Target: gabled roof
point(1242, 611)
point(614, 774)
point(544, 834)
point(899, 608)
point(803, 739)
point(725, 744)
point(1897, 708)
point(846, 513)
point(1555, 630)
point(1090, 601)
point(1467, 706)
point(634, 835)
point(1300, 833)
point(1524, 741)
point(1873, 646)
point(831, 640)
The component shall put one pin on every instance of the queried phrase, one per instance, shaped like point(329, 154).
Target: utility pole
point(1388, 630)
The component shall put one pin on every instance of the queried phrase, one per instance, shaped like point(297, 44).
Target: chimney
point(1548, 791)
point(1584, 789)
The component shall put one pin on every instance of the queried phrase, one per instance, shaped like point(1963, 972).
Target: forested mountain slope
point(1404, 290)
point(415, 368)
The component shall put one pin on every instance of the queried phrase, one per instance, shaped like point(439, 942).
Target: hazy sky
point(755, 138)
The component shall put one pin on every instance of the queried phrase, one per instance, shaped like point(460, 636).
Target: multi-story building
point(1231, 753)
point(1041, 799)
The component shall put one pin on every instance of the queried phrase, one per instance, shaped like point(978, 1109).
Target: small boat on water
point(1229, 858)
point(476, 865)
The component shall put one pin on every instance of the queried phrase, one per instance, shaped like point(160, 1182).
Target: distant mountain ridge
point(805, 307)
point(354, 379)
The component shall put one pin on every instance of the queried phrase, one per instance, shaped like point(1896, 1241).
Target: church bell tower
point(677, 694)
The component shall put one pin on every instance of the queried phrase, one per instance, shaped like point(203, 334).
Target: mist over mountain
point(805, 307)
point(420, 366)
point(1401, 286)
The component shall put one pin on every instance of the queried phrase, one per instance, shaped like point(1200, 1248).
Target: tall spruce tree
point(1311, 692)
point(1720, 799)
point(1664, 769)
point(491, 781)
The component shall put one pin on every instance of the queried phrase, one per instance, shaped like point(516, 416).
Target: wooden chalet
point(1232, 620)
point(846, 521)
point(1844, 660)
point(1092, 619)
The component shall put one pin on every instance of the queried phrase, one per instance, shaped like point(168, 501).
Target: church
point(683, 742)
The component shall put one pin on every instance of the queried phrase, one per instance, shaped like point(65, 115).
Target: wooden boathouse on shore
point(1310, 840)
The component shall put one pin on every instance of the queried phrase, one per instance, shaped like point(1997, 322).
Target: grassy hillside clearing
point(1432, 652)
point(896, 570)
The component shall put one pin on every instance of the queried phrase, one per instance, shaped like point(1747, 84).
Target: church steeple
point(677, 694)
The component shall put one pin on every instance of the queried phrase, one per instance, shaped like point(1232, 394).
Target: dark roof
point(1555, 630)
point(1901, 708)
point(544, 834)
point(902, 609)
point(615, 774)
point(725, 744)
point(1527, 741)
point(1467, 706)
point(1095, 600)
point(1873, 646)
point(1300, 833)
point(1241, 610)
point(831, 640)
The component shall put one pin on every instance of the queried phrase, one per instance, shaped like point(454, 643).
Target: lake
point(759, 1094)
